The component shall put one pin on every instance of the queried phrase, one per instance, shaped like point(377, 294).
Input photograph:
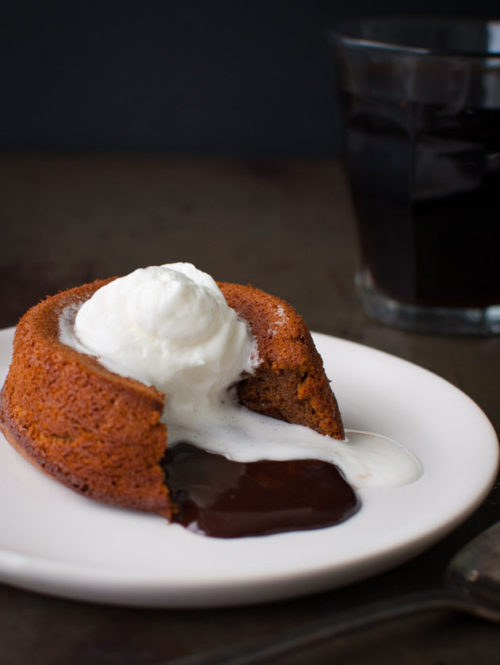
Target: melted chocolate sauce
point(227, 499)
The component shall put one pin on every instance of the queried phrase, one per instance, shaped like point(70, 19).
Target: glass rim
point(348, 32)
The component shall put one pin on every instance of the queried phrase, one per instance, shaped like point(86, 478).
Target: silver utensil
point(472, 585)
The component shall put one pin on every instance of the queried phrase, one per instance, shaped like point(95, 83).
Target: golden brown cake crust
point(290, 382)
point(95, 431)
point(100, 433)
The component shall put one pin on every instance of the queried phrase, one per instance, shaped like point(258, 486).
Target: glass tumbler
point(420, 101)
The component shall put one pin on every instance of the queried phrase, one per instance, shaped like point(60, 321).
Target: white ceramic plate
point(55, 541)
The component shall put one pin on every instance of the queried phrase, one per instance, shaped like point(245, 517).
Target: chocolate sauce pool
point(226, 499)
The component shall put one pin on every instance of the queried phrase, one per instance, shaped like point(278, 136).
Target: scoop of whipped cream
point(168, 326)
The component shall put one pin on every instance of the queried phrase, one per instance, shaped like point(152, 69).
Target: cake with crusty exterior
point(95, 431)
point(290, 381)
point(101, 434)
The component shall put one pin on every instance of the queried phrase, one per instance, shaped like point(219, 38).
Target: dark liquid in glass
point(425, 182)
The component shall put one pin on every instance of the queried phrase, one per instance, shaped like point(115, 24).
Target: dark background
point(251, 79)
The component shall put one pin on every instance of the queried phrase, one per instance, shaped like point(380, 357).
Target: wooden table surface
point(286, 227)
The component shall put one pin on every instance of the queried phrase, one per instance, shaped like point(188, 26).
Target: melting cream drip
point(170, 326)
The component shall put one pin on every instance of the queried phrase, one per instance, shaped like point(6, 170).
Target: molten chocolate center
point(227, 499)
